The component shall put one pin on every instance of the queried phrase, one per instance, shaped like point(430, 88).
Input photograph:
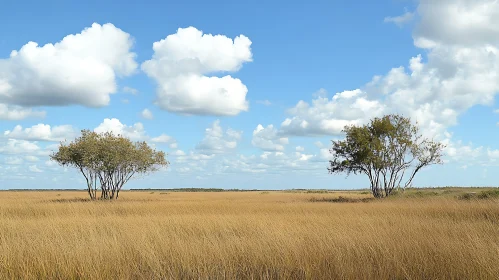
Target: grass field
point(426, 234)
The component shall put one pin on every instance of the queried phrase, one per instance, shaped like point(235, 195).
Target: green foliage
point(467, 196)
point(387, 150)
point(487, 194)
point(112, 160)
point(340, 199)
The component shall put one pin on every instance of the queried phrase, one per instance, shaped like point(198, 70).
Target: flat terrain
point(426, 234)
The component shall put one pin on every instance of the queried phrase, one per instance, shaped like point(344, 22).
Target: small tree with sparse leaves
point(110, 159)
point(389, 150)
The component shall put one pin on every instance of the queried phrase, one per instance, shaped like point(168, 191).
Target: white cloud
point(178, 153)
point(457, 151)
point(493, 154)
point(13, 160)
point(329, 116)
point(51, 163)
point(14, 113)
point(318, 144)
point(34, 168)
point(269, 162)
point(166, 139)
point(463, 23)
point(130, 90)
point(299, 149)
point(147, 114)
point(31, 158)
point(13, 147)
point(181, 64)
point(264, 102)
point(42, 132)
point(267, 139)
point(217, 141)
point(461, 39)
point(135, 132)
point(402, 19)
point(80, 69)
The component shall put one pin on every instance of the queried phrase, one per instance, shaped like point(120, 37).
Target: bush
point(422, 194)
point(489, 194)
point(317, 191)
point(467, 196)
point(341, 199)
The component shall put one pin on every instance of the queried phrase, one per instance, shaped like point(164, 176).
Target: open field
point(238, 235)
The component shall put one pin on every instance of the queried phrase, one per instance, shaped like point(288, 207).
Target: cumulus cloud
point(34, 168)
point(13, 160)
point(42, 132)
point(267, 139)
point(135, 132)
point(14, 147)
point(459, 23)
point(147, 114)
point(402, 19)
point(130, 90)
point(461, 70)
point(217, 141)
point(181, 65)
point(80, 69)
point(14, 113)
point(264, 102)
point(268, 162)
point(329, 116)
point(31, 158)
point(166, 139)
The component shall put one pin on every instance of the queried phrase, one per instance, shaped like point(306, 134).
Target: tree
point(81, 154)
point(110, 159)
point(387, 150)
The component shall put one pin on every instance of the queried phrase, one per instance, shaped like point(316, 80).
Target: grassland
point(426, 234)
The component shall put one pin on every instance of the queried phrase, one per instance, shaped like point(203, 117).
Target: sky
point(246, 94)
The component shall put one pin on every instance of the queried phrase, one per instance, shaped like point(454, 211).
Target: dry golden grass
point(240, 235)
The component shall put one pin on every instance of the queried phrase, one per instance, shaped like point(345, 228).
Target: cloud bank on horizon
point(192, 75)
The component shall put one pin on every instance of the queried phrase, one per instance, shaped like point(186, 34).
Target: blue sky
point(246, 95)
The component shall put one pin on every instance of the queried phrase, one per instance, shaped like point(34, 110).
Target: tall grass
point(244, 235)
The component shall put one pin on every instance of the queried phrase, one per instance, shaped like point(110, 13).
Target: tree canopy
point(112, 160)
point(389, 150)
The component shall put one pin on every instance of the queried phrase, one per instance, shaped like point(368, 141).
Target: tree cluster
point(108, 161)
point(389, 150)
